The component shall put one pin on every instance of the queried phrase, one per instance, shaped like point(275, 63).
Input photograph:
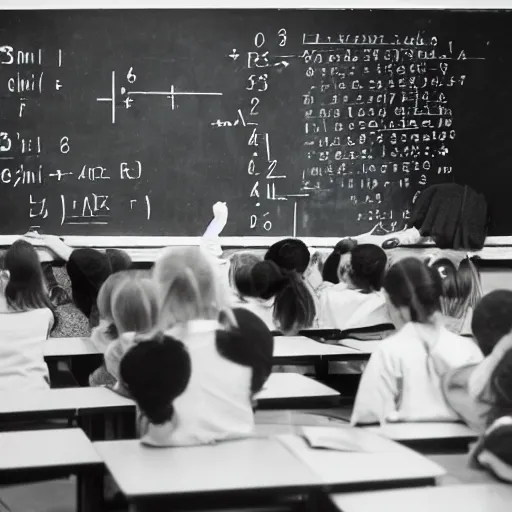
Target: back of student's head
point(461, 286)
point(294, 306)
point(104, 301)
point(289, 254)
point(412, 285)
point(156, 372)
point(367, 267)
point(501, 389)
point(241, 264)
point(492, 319)
point(134, 305)
point(119, 260)
point(87, 269)
point(25, 288)
point(187, 286)
point(332, 263)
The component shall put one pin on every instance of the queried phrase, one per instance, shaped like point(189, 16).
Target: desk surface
point(383, 463)
point(301, 347)
point(423, 431)
point(69, 347)
point(285, 347)
point(66, 399)
point(281, 386)
point(469, 498)
point(458, 470)
point(365, 347)
point(244, 465)
point(36, 449)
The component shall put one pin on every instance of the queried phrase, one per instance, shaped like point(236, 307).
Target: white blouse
point(403, 378)
point(22, 337)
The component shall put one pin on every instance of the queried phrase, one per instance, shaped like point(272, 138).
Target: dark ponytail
point(155, 372)
point(412, 284)
point(294, 306)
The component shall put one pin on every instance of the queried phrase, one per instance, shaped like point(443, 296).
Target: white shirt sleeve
point(378, 390)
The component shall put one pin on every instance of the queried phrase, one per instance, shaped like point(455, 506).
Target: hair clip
point(442, 272)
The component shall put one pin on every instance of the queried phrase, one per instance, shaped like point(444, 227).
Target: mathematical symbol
point(255, 154)
point(59, 174)
point(234, 55)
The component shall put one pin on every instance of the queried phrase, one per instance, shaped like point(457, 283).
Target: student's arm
point(51, 242)
point(100, 338)
point(378, 390)
point(482, 374)
point(210, 241)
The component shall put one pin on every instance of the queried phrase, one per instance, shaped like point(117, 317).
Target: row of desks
point(250, 471)
point(286, 349)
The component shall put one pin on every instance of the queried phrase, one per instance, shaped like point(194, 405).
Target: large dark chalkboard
point(314, 123)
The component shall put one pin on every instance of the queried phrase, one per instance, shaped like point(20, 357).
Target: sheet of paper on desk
point(341, 439)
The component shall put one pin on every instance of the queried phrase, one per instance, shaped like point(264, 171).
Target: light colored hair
point(104, 300)
point(135, 306)
point(188, 288)
point(462, 288)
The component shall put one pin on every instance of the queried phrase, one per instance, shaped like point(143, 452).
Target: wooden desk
point(469, 498)
point(429, 436)
point(228, 472)
point(299, 349)
point(63, 348)
point(91, 405)
point(289, 390)
point(384, 463)
point(50, 454)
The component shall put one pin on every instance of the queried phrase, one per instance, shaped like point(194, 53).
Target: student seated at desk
point(474, 391)
point(357, 300)
point(403, 378)
point(87, 268)
point(26, 318)
point(135, 309)
point(461, 292)
point(244, 293)
point(124, 309)
point(230, 353)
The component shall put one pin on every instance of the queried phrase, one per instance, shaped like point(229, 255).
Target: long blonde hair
point(135, 306)
point(188, 288)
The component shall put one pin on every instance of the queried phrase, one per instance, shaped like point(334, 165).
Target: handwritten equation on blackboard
point(377, 116)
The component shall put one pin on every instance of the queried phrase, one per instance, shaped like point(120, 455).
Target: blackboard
point(308, 123)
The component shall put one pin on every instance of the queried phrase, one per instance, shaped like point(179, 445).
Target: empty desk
point(288, 390)
point(244, 471)
point(90, 405)
point(428, 436)
point(50, 454)
point(474, 498)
